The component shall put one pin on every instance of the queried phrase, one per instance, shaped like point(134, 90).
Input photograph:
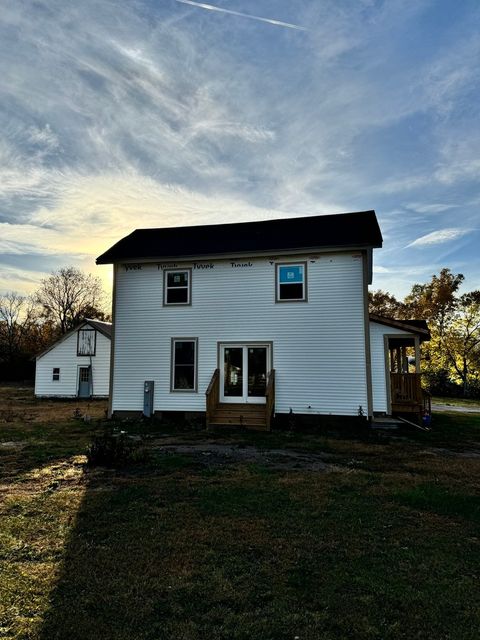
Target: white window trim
point(301, 263)
point(166, 288)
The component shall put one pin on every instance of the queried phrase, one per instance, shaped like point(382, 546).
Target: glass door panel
point(257, 371)
point(233, 372)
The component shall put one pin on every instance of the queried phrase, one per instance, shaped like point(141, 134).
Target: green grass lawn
point(457, 402)
point(383, 544)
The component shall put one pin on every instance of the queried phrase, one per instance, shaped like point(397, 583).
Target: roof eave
point(400, 324)
point(105, 259)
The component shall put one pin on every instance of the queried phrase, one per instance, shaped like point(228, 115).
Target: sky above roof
point(119, 115)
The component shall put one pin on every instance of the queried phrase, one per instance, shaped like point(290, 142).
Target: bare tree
point(68, 295)
point(17, 314)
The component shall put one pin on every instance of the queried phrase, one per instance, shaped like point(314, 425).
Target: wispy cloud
point(211, 7)
point(154, 119)
point(423, 207)
point(439, 237)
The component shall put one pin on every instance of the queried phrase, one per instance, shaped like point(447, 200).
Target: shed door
point(84, 382)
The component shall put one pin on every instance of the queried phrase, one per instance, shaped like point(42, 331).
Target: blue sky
point(118, 115)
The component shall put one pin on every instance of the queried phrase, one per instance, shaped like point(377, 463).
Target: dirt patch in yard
point(210, 454)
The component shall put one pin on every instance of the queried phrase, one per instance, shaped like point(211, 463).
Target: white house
point(245, 321)
point(77, 365)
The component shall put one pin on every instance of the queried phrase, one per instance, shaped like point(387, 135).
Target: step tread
point(241, 407)
point(237, 414)
point(237, 421)
point(255, 426)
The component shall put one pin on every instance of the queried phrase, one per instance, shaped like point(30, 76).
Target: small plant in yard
point(117, 449)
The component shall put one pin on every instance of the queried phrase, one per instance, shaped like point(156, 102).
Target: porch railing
point(212, 395)
point(406, 389)
point(270, 398)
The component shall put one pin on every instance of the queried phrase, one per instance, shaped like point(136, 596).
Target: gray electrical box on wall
point(148, 387)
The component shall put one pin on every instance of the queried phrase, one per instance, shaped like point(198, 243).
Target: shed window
point(184, 364)
point(291, 282)
point(86, 342)
point(177, 287)
point(56, 374)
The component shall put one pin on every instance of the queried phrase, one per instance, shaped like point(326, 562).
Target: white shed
point(77, 365)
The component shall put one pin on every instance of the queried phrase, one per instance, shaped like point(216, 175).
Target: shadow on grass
point(176, 550)
point(437, 499)
point(173, 552)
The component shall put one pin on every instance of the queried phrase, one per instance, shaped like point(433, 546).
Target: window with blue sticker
point(291, 282)
point(177, 287)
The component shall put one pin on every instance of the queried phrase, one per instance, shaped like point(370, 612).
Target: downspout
point(91, 376)
point(367, 266)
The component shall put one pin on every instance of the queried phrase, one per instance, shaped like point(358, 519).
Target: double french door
point(244, 370)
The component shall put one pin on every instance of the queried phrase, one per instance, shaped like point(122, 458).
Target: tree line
point(451, 359)
point(30, 324)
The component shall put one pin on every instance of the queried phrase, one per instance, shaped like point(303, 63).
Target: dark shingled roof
point(314, 232)
point(103, 327)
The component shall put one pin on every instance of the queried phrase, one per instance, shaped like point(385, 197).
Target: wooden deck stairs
point(250, 416)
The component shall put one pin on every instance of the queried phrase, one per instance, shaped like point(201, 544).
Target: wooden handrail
point(212, 395)
point(270, 398)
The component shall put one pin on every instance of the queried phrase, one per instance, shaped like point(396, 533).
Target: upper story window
point(56, 374)
point(86, 342)
point(177, 287)
point(291, 282)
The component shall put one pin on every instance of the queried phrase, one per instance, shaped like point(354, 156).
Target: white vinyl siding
point(318, 347)
point(377, 349)
point(64, 356)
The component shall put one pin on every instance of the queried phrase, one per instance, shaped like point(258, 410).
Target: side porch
point(401, 344)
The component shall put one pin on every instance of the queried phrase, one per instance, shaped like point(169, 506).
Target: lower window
point(56, 374)
point(184, 364)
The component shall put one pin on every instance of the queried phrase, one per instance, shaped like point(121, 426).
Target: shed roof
point(103, 327)
point(345, 230)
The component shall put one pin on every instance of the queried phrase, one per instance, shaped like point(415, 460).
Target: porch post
point(417, 354)
point(399, 360)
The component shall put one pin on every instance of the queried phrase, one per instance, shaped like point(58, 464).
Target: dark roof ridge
point(342, 230)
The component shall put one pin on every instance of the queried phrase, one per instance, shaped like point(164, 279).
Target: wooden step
point(240, 407)
point(261, 426)
point(236, 419)
point(246, 414)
